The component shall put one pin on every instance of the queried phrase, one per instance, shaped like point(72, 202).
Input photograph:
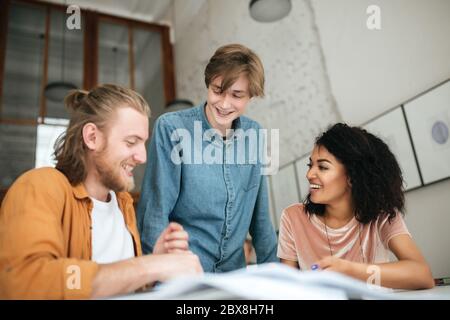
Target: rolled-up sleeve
point(261, 229)
point(388, 229)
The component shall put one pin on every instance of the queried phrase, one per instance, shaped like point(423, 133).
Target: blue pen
point(315, 267)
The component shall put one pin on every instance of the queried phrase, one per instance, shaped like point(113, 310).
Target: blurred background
point(323, 64)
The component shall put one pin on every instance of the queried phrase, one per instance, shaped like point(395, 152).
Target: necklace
point(361, 252)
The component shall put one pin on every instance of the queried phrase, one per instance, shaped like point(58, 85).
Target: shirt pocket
point(249, 176)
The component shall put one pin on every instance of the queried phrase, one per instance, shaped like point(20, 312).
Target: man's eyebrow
point(216, 87)
point(133, 136)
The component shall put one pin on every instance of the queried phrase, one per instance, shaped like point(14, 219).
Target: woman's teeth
point(315, 186)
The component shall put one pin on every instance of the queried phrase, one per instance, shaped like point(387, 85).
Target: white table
point(438, 292)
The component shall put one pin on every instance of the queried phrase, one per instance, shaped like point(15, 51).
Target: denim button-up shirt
point(194, 179)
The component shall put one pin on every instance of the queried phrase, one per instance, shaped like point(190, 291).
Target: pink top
point(303, 238)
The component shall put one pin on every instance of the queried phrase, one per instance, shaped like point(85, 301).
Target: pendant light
point(269, 10)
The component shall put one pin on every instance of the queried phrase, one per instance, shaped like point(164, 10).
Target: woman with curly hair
point(352, 215)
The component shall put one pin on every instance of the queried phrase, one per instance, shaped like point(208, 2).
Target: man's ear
point(92, 136)
point(349, 182)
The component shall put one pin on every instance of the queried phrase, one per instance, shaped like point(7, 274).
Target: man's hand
point(173, 265)
point(172, 240)
point(128, 275)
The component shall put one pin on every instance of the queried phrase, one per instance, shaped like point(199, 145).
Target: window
point(38, 49)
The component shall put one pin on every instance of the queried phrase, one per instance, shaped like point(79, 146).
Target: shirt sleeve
point(161, 185)
point(286, 243)
point(261, 229)
point(33, 263)
point(389, 229)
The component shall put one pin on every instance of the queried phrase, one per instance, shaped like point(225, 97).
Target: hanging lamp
point(269, 10)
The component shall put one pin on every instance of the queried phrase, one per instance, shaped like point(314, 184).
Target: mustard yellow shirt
point(45, 237)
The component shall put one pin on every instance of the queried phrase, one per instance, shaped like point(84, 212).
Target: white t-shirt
point(111, 240)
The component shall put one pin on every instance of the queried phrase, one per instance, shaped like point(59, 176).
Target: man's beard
point(110, 175)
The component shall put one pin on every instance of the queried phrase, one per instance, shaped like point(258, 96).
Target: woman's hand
point(172, 240)
point(336, 264)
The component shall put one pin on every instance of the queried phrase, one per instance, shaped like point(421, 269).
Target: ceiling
point(150, 11)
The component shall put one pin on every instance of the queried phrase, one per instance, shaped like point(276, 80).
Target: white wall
point(428, 219)
point(373, 71)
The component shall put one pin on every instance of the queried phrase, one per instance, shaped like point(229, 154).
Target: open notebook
point(271, 281)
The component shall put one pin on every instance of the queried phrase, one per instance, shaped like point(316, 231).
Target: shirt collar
point(209, 133)
point(79, 191)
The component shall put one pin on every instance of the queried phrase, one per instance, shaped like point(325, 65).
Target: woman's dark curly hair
point(375, 176)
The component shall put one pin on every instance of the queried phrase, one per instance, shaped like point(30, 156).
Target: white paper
point(272, 281)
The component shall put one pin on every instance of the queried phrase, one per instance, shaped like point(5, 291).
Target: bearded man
point(70, 232)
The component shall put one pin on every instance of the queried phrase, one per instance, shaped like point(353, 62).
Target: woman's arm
point(410, 272)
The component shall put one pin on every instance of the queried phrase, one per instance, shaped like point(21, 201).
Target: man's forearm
point(123, 277)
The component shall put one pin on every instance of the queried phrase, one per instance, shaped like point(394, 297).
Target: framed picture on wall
point(284, 190)
point(391, 127)
point(428, 118)
point(302, 168)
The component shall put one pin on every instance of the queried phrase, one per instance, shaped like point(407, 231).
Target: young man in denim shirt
point(205, 170)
